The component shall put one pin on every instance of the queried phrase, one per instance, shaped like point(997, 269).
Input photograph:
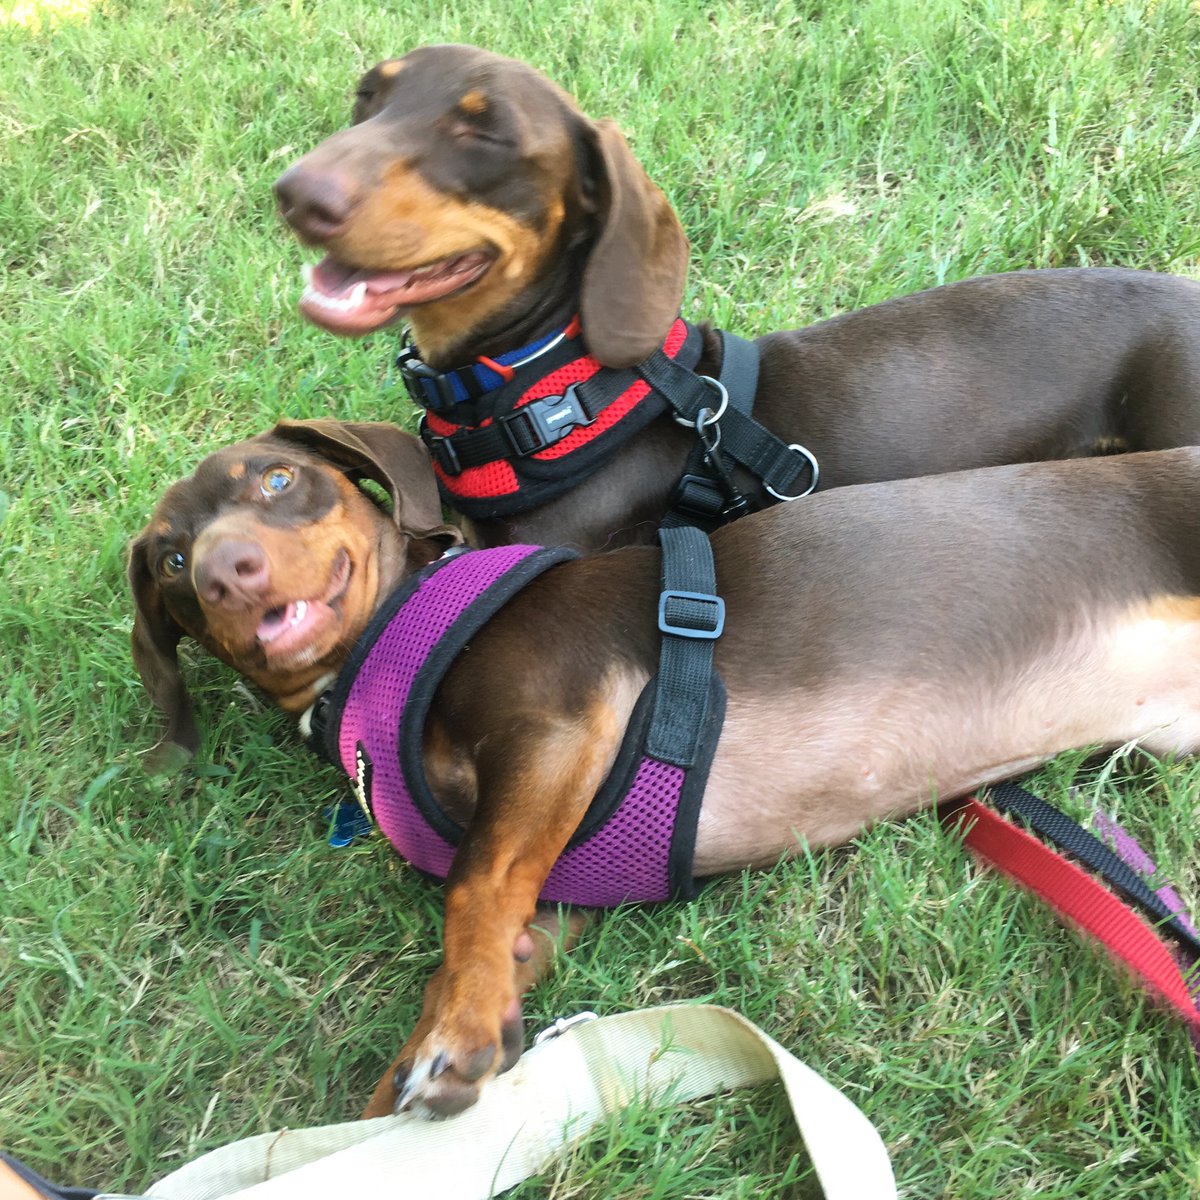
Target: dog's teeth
point(306, 274)
point(352, 299)
point(300, 613)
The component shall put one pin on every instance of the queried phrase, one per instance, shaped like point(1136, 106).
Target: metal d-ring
point(816, 474)
point(716, 416)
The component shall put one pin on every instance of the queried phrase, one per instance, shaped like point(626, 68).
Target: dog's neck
point(546, 304)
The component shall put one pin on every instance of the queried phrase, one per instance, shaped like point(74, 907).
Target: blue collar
point(441, 392)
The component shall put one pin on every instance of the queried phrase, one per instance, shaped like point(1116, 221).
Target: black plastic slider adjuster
point(691, 614)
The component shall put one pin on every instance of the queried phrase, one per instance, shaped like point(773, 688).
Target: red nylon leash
point(1074, 894)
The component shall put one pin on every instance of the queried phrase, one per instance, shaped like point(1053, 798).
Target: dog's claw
point(415, 1077)
point(434, 1085)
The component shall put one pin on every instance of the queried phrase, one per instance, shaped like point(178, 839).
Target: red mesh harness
point(510, 433)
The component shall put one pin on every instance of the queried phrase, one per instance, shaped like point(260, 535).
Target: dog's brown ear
point(395, 460)
point(634, 279)
point(155, 654)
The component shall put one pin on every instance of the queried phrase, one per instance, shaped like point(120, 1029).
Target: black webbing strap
point(691, 616)
point(782, 468)
point(705, 496)
point(1058, 828)
point(739, 370)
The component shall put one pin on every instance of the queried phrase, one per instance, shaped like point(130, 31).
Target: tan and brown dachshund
point(472, 200)
point(885, 646)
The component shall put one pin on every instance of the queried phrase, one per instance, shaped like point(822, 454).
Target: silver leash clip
point(561, 1026)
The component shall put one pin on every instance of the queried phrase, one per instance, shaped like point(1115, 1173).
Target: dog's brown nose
point(232, 574)
point(316, 203)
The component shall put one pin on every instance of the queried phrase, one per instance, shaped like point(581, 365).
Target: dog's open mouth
point(354, 301)
point(288, 630)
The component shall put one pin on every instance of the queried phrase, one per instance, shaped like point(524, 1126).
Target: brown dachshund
point(472, 200)
point(884, 646)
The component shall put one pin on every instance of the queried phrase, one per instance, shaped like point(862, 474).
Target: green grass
point(185, 962)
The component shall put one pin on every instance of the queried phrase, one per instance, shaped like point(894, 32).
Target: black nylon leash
point(1066, 834)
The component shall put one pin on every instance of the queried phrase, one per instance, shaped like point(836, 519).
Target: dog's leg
point(551, 933)
point(536, 780)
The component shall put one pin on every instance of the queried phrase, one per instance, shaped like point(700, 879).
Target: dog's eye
point(471, 131)
point(276, 480)
point(172, 563)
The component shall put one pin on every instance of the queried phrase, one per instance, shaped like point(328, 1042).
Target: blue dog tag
point(349, 822)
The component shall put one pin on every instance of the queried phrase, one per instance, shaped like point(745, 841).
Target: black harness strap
point(691, 617)
point(787, 471)
point(533, 427)
point(477, 431)
point(739, 370)
point(706, 495)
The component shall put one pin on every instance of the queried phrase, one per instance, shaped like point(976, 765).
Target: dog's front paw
point(440, 1072)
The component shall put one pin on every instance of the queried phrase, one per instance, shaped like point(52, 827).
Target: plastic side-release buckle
point(541, 423)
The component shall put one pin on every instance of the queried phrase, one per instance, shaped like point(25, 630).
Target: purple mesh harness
point(637, 840)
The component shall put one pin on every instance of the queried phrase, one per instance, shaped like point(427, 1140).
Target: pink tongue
point(334, 279)
point(275, 622)
point(349, 300)
point(290, 628)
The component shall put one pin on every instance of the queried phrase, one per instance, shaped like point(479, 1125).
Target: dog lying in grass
point(884, 647)
point(529, 252)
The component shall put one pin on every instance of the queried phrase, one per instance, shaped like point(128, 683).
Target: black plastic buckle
point(541, 423)
point(698, 498)
point(703, 502)
point(318, 727)
point(707, 610)
point(427, 387)
point(442, 451)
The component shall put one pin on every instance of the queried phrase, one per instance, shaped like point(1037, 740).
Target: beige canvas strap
point(558, 1090)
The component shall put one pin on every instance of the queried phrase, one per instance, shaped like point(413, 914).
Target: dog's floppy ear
point(381, 452)
point(634, 279)
point(155, 644)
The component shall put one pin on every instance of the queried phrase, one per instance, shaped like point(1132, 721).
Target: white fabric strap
point(556, 1092)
